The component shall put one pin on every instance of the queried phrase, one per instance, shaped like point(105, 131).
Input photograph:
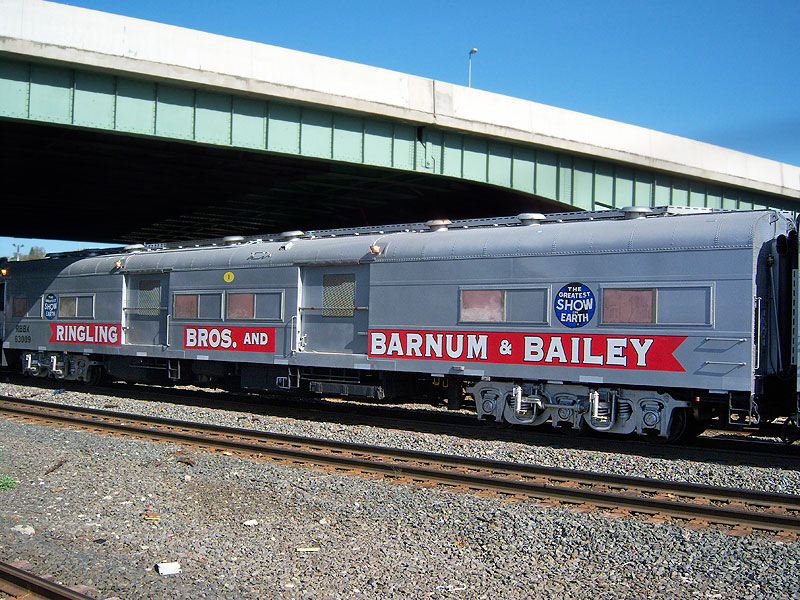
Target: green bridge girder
point(62, 95)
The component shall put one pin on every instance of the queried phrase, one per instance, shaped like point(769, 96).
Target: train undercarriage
point(668, 415)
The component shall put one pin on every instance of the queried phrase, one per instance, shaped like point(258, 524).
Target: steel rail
point(21, 584)
point(508, 468)
point(773, 453)
point(504, 477)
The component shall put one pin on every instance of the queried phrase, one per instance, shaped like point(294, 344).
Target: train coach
point(645, 321)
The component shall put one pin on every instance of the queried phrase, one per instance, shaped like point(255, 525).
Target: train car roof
point(630, 230)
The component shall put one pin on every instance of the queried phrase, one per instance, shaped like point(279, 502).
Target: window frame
point(656, 286)
point(281, 293)
point(198, 293)
point(76, 296)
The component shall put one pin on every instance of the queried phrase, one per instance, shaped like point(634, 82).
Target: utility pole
point(16, 252)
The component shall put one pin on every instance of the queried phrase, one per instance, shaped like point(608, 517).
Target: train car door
point(334, 309)
point(145, 309)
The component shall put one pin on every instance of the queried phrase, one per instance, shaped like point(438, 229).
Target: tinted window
point(483, 305)
point(185, 306)
point(628, 305)
point(19, 307)
point(241, 306)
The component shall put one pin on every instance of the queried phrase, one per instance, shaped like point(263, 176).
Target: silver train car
point(645, 321)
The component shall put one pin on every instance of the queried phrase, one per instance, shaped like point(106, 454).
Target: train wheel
point(95, 375)
point(581, 429)
point(679, 426)
point(790, 432)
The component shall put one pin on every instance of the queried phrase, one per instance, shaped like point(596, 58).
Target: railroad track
point(20, 584)
point(734, 447)
point(700, 504)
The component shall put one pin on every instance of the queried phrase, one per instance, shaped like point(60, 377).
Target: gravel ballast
point(257, 529)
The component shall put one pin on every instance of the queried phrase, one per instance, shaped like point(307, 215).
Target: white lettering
point(113, 335)
point(378, 343)
point(641, 348)
point(458, 349)
point(556, 350)
point(433, 344)
point(413, 344)
point(588, 357)
point(575, 355)
point(191, 337)
point(395, 345)
point(477, 346)
point(534, 348)
point(614, 352)
point(59, 333)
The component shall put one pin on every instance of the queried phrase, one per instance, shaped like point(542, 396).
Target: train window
point(684, 305)
point(210, 306)
point(483, 305)
point(197, 306)
point(19, 307)
point(269, 306)
point(338, 295)
point(527, 305)
point(185, 306)
point(76, 306)
point(35, 311)
point(240, 306)
point(67, 306)
point(622, 305)
point(2, 296)
point(86, 306)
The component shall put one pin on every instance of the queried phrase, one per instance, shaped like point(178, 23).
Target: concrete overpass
point(164, 133)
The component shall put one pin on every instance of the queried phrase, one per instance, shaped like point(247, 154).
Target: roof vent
point(438, 224)
point(636, 212)
point(292, 235)
point(530, 218)
point(230, 240)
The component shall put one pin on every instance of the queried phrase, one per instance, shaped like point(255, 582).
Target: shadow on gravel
point(722, 448)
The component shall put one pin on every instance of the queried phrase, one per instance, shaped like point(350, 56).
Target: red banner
point(240, 339)
point(640, 352)
point(104, 334)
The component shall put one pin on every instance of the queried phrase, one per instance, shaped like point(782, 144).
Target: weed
point(7, 483)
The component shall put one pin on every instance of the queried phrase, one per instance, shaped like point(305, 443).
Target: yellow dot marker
point(228, 277)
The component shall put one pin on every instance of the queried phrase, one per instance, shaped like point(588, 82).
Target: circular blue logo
point(575, 305)
point(50, 306)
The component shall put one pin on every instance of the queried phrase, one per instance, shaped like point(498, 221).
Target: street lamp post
point(469, 70)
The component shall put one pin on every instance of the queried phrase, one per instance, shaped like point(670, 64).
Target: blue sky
point(724, 72)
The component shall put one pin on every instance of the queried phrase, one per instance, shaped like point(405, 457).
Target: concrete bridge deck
point(67, 66)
